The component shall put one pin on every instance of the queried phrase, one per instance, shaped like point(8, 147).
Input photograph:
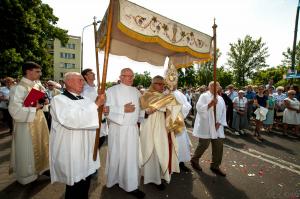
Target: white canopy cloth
point(145, 36)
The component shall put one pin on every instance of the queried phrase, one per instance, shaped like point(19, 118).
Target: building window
point(67, 55)
point(61, 75)
point(67, 65)
point(69, 46)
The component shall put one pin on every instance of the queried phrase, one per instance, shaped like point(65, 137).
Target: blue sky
point(273, 20)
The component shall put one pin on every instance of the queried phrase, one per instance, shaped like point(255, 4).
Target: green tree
point(25, 28)
point(245, 57)
point(276, 73)
point(204, 73)
point(181, 78)
point(142, 79)
point(224, 77)
point(287, 60)
point(190, 77)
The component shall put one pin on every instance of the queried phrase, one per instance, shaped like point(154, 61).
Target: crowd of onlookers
point(267, 106)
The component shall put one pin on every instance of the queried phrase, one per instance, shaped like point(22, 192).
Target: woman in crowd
point(270, 106)
point(240, 120)
point(291, 115)
point(259, 101)
point(279, 97)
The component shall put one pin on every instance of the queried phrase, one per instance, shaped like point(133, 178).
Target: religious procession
point(78, 137)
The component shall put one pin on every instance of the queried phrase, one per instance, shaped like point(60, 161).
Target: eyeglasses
point(161, 84)
point(128, 76)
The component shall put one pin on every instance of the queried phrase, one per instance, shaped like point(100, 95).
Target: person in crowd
point(72, 137)
point(250, 95)
point(90, 91)
point(279, 97)
point(210, 129)
point(240, 121)
point(30, 141)
point(270, 85)
point(51, 91)
point(291, 115)
point(231, 93)
point(122, 165)
point(158, 142)
point(268, 122)
point(188, 96)
point(4, 99)
point(228, 102)
point(195, 98)
point(260, 103)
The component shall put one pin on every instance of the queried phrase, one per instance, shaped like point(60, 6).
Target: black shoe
point(196, 166)
point(183, 168)
point(161, 186)
point(137, 193)
point(218, 171)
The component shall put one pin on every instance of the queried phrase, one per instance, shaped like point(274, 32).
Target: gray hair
point(157, 77)
point(69, 75)
point(126, 69)
point(212, 83)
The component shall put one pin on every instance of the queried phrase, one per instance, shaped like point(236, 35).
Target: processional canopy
point(145, 36)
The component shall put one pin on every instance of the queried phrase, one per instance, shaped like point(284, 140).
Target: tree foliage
point(245, 57)
point(25, 28)
point(287, 60)
point(142, 79)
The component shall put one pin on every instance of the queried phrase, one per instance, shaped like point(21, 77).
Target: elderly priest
point(72, 137)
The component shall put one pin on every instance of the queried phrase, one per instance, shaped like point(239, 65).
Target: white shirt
point(240, 103)
point(205, 121)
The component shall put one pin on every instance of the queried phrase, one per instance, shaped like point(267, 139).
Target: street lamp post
point(81, 58)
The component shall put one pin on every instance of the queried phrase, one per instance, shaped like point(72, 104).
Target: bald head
point(74, 82)
point(211, 86)
point(127, 76)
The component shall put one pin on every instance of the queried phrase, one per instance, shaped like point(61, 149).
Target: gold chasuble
point(155, 100)
point(157, 132)
point(39, 134)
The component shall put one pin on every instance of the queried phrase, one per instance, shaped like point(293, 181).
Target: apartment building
point(65, 58)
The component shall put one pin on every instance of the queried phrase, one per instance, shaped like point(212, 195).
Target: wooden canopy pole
point(104, 73)
point(215, 63)
point(98, 83)
point(96, 52)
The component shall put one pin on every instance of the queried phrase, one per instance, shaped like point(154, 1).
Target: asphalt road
point(268, 169)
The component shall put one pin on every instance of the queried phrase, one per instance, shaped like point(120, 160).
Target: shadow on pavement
point(180, 187)
point(16, 190)
point(220, 187)
point(265, 143)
